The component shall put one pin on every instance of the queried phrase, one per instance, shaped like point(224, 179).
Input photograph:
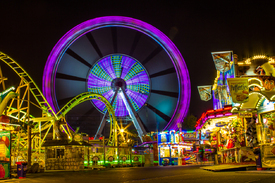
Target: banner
point(239, 89)
point(4, 170)
point(223, 60)
point(4, 154)
point(205, 92)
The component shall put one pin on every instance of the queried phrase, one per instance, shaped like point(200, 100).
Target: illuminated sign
point(4, 155)
point(239, 89)
point(245, 115)
point(163, 137)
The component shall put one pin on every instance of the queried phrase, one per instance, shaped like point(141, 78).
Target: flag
point(205, 92)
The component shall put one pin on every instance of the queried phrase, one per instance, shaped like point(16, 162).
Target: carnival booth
point(66, 154)
point(248, 86)
point(260, 127)
point(176, 148)
point(229, 127)
point(265, 129)
point(224, 135)
point(6, 157)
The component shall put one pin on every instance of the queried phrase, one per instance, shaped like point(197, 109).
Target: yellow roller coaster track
point(89, 96)
point(44, 105)
point(38, 95)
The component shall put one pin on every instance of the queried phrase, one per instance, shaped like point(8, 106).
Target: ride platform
point(230, 167)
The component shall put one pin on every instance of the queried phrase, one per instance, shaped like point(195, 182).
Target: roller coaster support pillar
point(29, 146)
point(104, 150)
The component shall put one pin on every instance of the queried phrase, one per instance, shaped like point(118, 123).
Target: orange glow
point(209, 111)
point(228, 108)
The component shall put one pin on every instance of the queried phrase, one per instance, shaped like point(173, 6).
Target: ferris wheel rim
point(138, 25)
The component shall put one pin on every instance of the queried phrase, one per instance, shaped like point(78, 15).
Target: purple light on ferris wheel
point(128, 64)
point(119, 21)
point(107, 65)
point(122, 67)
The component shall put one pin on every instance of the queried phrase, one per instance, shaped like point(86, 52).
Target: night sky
point(30, 29)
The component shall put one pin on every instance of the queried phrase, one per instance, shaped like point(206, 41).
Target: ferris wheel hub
point(118, 83)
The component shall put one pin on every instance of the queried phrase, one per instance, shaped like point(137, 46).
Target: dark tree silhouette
point(189, 122)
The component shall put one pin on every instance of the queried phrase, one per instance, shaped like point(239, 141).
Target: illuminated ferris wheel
point(131, 63)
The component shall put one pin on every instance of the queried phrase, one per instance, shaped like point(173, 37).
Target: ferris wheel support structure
point(136, 120)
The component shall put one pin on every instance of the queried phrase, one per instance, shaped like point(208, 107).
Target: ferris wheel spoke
point(69, 77)
point(135, 43)
point(164, 72)
point(159, 113)
point(94, 44)
point(152, 54)
point(166, 93)
point(114, 37)
point(77, 57)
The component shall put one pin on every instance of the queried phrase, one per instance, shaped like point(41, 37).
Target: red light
point(91, 138)
point(209, 111)
point(219, 110)
point(228, 108)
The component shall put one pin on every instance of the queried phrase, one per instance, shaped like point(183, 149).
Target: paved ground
point(167, 174)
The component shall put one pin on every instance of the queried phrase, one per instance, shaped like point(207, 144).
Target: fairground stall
point(66, 154)
point(149, 149)
point(6, 131)
point(222, 137)
point(122, 155)
point(260, 130)
point(266, 134)
point(177, 148)
point(252, 92)
point(228, 128)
